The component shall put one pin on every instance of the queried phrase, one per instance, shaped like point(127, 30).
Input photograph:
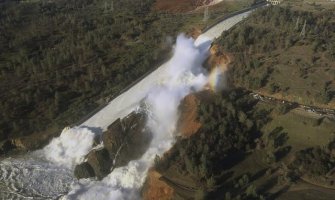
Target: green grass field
point(302, 129)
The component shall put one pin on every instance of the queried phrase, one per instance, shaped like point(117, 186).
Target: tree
point(227, 196)
point(211, 183)
point(251, 191)
point(200, 194)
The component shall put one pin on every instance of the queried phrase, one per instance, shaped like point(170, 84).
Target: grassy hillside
point(277, 54)
point(249, 149)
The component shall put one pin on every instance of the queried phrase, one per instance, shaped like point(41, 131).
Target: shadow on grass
point(279, 193)
point(282, 152)
point(258, 174)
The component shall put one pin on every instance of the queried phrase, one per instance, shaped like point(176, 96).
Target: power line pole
point(105, 6)
point(303, 31)
point(206, 14)
point(112, 6)
point(297, 24)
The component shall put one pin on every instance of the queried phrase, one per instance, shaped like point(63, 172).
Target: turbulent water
point(48, 173)
point(33, 178)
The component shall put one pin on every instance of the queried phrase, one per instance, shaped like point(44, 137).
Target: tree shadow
point(279, 137)
point(279, 193)
point(258, 174)
point(97, 130)
point(232, 159)
point(276, 131)
point(263, 189)
point(282, 152)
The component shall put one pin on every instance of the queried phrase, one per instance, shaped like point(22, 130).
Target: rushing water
point(31, 177)
point(34, 177)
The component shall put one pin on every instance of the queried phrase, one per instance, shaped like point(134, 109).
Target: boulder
point(137, 139)
point(133, 119)
point(100, 161)
point(114, 137)
point(84, 170)
point(124, 140)
point(6, 146)
point(31, 142)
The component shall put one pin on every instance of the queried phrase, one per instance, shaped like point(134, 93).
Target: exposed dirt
point(218, 58)
point(155, 188)
point(194, 32)
point(188, 123)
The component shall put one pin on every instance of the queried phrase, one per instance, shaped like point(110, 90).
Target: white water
point(182, 76)
point(47, 174)
point(70, 147)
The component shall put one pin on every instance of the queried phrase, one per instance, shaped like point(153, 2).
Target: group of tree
point(315, 161)
point(256, 43)
point(60, 59)
point(229, 129)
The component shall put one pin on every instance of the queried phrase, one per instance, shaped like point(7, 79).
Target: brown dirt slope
point(188, 123)
point(156, 189)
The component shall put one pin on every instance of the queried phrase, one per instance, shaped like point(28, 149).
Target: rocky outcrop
point(32, 142)
point(6, 146)
point(100, 161)
point(114, 137)
point(84, 170)
point(125, 140)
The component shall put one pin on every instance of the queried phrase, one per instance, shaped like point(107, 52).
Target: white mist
point(183, 76)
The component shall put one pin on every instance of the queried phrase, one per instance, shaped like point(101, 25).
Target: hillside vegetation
point(60, 60)
point(285, 52)
point(247, 148)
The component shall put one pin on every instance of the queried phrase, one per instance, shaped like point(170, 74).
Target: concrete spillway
point(34, 177)
point(129, 100)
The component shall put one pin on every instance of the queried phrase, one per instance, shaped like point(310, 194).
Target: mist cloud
point(70, 147)
point(183, 76)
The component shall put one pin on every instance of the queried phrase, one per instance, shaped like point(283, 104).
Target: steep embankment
point(188, 124)
point(264, 153)
point(155, 188)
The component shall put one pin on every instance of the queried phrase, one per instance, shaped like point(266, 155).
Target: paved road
point(306, 108)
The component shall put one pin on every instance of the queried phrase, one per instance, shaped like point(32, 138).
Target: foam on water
point(70, 147)
point(33, 178)
point(183, 76)
point(48, 173)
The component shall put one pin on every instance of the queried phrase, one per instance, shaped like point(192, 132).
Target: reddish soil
point(155, 188)
point(188, 123)
point(194, 32)
point(218, 58)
